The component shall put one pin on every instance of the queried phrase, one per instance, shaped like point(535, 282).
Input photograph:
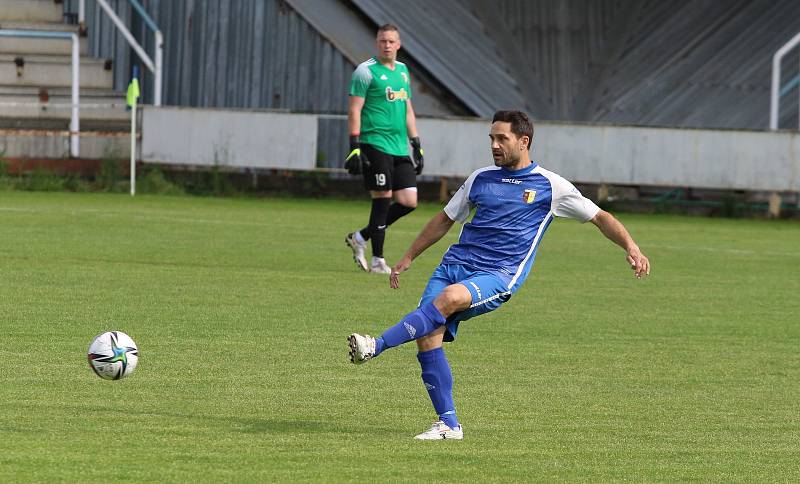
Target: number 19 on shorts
point(380, 179)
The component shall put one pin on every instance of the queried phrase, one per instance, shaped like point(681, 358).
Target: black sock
point(376, 230)
point(397, 210)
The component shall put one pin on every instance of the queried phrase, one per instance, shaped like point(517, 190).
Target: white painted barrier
point(624, 155)
point(621, 155)
point(245, 139)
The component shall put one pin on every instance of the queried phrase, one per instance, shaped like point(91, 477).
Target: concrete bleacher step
point(41, 103)
point(33, 10)
point(36, 94)
point(53, 70)
point(27, 45)
point(44, 125)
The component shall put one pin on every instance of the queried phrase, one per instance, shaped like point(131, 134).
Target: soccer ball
point(113, 355)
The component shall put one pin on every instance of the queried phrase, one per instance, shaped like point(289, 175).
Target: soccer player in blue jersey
point(514, 202)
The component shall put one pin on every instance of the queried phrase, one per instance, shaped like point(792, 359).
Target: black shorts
point(387, 172)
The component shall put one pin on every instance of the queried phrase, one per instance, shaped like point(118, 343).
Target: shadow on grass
point(269, 426)
point(238, 424)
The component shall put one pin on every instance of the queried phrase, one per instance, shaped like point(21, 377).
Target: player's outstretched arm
point(431, 233)
point(616, 232)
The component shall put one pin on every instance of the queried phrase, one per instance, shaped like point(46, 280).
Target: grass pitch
point(241, 309)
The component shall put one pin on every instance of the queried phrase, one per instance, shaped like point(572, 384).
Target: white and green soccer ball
point(113, 355)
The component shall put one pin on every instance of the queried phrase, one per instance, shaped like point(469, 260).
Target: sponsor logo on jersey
point(528, 196)
point(411, 330)
point(511, 180)
point(400, 95)
point(383, 77)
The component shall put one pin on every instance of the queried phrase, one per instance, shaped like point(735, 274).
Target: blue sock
point(438, 379)
point(415, 324)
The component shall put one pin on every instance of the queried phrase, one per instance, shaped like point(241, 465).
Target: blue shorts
point(489, 290)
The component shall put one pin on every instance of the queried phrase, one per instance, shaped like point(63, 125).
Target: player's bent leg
point(416, 324)
point(431, 341)
point(454, 298)
point(406, 197)
point(396, 211)
point(405, 201)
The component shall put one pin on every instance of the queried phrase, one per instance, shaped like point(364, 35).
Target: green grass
point(241, 307)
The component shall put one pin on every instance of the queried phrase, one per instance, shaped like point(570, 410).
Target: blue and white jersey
point(512, 211)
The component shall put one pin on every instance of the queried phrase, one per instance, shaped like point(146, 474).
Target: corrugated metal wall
point(237, 54)
point(559, 41)
point(233, 54)
point(451, 42)
point(701, 63)
point(698, 63)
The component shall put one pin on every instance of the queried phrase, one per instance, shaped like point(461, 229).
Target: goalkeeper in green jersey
point(382, 123)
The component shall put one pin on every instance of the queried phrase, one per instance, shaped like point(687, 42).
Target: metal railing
point(776, 91)
point(74, 123)
point(156, 66)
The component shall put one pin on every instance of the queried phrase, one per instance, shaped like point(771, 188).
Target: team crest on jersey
point(405, 77)
point(528, 196)
point(400, 95)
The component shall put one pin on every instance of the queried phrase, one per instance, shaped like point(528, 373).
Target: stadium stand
point(676, 63)
point(36, 93)
point(694, 63)
point(35, 73)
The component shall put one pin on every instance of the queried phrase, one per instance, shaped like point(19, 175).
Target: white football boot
point(358, 251)
point(440, 431)
point(362, 348)
point(379, 266)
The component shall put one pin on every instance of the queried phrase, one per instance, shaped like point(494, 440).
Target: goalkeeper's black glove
point(353, 161)
point(417, 155)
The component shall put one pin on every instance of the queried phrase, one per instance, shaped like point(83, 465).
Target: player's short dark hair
point(521, 124)
point(388, 28)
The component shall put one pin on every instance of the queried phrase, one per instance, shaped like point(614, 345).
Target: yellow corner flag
point(133, 92)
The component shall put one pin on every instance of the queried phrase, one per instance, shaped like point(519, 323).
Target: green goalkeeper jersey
point(383, 117)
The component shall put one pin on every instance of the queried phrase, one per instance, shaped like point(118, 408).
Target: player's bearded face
point(506, 146)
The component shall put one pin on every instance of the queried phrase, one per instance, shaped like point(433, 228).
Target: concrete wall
point(724, 159)
point(244, 139)
point(720, 159)
point(35, 144)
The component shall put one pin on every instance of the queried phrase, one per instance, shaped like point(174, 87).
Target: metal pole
point(82, 16)
point(127, 34)
point(133, 148)
point(159, 38)
point(74, 123)
point(773, 97)
point(776, 80)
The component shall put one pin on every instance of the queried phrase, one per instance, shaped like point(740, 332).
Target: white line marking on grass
point(144, 216)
